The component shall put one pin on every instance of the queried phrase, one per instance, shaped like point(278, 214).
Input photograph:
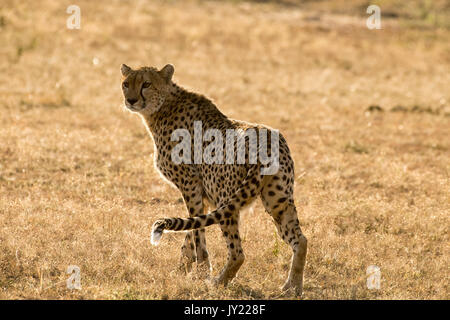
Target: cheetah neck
point(176, 95)
point(178, 101)
point(150, 120)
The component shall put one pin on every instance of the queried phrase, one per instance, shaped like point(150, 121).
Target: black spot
point(281, 200)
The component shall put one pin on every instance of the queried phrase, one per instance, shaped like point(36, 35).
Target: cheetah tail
point(250, 188)
point(182, 224)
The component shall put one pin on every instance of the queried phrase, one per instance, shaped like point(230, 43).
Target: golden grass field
point(366, 114)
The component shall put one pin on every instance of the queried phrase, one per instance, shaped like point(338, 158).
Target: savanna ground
point(366, 114)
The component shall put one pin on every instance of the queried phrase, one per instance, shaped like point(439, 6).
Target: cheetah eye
point(146, 84)
point(125, 84)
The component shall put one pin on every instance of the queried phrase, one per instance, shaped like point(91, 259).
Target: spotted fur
point(165, 107)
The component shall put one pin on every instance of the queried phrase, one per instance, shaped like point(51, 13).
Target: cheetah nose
point(132, 101)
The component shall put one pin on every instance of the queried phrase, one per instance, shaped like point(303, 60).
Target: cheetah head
point(146, 89)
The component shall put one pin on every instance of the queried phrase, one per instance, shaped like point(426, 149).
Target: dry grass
point(77, 184)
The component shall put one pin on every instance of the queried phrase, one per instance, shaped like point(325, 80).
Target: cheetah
point(165, 107)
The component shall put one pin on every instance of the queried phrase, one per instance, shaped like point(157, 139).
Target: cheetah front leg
point(194, 247)
point(230, 231)
point(188, 256)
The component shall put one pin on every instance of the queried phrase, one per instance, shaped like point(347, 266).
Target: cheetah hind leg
point(289, 230)
point(284, 215)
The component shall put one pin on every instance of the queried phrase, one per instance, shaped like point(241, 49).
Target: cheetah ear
point(125, 70)
point(167, 72)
